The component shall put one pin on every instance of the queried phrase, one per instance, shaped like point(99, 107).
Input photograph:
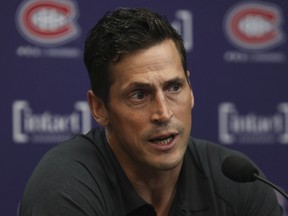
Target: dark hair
point(123, 31)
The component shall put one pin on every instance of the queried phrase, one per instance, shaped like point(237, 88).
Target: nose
point(161, 112)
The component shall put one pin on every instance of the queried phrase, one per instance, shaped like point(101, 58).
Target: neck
point(156, 187)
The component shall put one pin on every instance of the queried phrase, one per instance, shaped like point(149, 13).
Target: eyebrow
point(135, 85)
point(175, 80)
point(139, 85)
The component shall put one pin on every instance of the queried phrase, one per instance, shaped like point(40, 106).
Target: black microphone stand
point(271, 184)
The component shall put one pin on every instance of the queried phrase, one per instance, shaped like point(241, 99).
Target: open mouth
point(163, 140)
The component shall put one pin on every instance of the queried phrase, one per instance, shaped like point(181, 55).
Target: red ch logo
point(48, 22)
point(254, 26)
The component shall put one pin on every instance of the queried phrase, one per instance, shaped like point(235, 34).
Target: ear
point(97, 109)
point(192, 98)
point(192, 95)
point(188, 77)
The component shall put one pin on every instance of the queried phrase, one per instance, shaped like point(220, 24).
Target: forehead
point(147, 65)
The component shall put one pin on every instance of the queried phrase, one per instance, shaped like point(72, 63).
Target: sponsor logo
point(183, 23)
point(47, 127)
point(254, 27)
point(252, 128)
point(37, 52)
point(48, 22)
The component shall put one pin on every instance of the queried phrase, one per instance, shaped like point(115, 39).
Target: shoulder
point(207, 152)
point(71, 172)
point(81, 155)
point(81, 150)
point(209, 157)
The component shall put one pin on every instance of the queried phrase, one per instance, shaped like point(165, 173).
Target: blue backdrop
point(237, 57)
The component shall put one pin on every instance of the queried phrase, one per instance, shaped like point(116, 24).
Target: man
point(143, 162)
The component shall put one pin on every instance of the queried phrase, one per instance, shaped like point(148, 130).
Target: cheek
point(184, 104)
point(184, 111)
point(127, 120)
point(190, 101)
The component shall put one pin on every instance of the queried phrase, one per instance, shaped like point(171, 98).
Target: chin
point(169, 165)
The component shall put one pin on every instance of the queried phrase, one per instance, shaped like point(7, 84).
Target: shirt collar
point(192, 189)
point(131, 200)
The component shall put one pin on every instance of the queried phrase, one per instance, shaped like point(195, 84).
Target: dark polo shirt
point(82, 177)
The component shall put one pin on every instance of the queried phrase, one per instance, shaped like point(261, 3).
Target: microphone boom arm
point(270, 183)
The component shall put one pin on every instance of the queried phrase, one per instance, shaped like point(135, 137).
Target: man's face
point(149, 109)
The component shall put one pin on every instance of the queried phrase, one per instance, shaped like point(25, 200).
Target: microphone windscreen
point(239, 169)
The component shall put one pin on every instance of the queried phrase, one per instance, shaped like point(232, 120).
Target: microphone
point(240, 169)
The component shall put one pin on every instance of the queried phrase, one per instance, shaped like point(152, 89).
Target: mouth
point(163, 140)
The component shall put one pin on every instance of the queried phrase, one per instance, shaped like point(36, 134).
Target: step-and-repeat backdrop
point(237, 56)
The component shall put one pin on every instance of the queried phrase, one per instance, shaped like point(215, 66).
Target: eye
point(174, 87)
point(138, 95)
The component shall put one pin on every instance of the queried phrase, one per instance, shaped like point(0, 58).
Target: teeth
point(163, 141)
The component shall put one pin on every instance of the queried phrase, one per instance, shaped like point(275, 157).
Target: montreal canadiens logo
point(254, 26)
point(48, 22)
